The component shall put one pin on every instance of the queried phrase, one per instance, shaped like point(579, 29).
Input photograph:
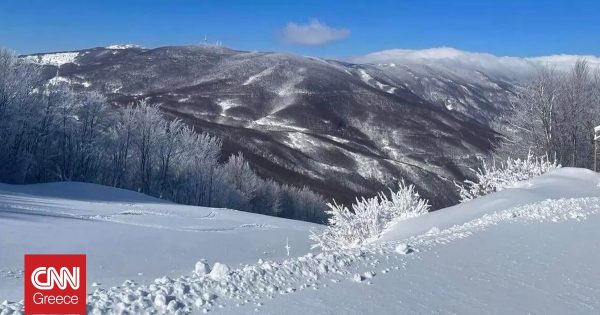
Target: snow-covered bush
point(492, 178)
point(369, 217)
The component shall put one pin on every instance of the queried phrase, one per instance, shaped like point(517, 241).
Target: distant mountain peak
point(123, 46)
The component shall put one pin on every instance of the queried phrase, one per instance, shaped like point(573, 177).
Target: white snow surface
point(59, 80)
point(227, 104)
point(54, 59)
point(122, 46)
point(528, 249)
point(130, 236)
point(259, 75)
point(368, 79)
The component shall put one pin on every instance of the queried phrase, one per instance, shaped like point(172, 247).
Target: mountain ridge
point(343, 129)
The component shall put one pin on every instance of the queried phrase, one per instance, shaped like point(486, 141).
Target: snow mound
point(403, 249)
point(219, 271)
point(201, 268)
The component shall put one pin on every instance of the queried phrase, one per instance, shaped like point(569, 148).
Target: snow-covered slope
point(562, 183)
point(521, 266)
point(127, 235)
point(529, 249)
point(472, 83)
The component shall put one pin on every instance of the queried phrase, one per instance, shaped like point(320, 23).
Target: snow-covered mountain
point(342, 128)
point(528, 249)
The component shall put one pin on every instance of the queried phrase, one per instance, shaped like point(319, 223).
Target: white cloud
point(509, 67)
point(565, 62)
point(313, 33)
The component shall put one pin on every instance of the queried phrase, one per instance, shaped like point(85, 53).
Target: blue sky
point(320, 28)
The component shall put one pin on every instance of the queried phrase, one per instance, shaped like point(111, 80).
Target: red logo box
point(55, 284)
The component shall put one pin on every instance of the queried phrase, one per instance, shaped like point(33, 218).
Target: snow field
point(267, 279)
point(264, 286)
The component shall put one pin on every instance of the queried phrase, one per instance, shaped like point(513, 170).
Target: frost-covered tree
point(532, 126)
point(578, 116)
point(120, 136)
point(404, 203)
point(91, 134)
point(368, 218)
point(149, 127)
point(499, 176)
point(17, 131)
point(554, 116)
point(238, 172)
point(168, 151)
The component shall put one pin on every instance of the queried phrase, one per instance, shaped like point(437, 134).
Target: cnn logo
point(55, 284)
point(54, 278)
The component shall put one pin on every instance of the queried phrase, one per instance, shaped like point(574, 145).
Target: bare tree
point(149, 127)
point(554, 116)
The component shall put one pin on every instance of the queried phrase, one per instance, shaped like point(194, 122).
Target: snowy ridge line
point(250, 284)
